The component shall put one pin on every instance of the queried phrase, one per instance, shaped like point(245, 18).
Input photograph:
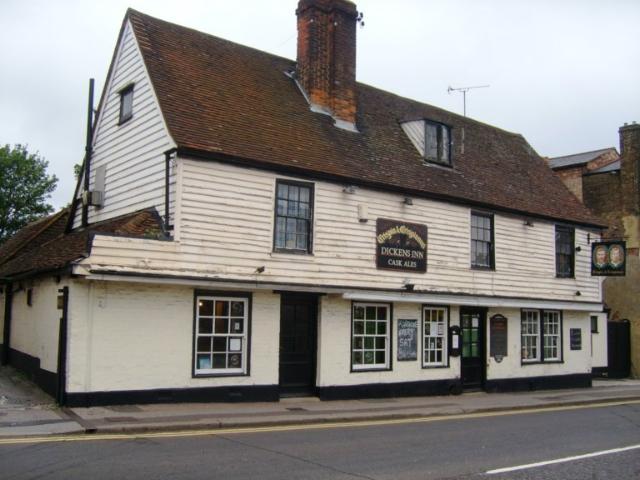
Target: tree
point(25, 187)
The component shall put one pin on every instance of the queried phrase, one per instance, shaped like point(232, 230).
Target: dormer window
point(432, 139)
point(437, 143)
point(126, 104)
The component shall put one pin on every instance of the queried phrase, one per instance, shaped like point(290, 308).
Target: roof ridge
point(584, 153)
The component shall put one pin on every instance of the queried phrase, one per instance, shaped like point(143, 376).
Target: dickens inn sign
point(401, 246)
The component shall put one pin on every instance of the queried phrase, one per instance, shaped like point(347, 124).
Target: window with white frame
point(530, 336)
point(541, 336)
point(434, 331)
point(551, 335)
point(370, 336)
point(220, 338)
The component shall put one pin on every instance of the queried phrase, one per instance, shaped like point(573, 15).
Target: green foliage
point(24, 189)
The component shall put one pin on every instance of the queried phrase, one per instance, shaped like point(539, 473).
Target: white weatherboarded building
point(248, 227)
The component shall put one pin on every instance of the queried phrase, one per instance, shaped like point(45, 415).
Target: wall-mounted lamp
point(350, 189)
point(408, 201)
point(260, 269)
point(578, 248)
point(528, 223)
point(578, 293)
point(408, 286)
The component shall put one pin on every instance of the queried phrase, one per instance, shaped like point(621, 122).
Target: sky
point(563, 73)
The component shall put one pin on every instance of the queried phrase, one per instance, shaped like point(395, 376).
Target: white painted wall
point(134, 151)
point(226, 231)
point(576, 361)
point(599, 344)
point(126, 336)
point(334, 349)
point(34, 330)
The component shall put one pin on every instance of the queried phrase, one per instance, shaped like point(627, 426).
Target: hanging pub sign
point(401, 245)
point(608, 258)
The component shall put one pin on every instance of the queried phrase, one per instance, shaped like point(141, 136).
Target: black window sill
point(359, 370)
point(218, 375)
point(292, 251)
point(544, 362)
point(428, 161)
point(567, 277)
point(431, 367)
point(124, 120)
point(480, 267)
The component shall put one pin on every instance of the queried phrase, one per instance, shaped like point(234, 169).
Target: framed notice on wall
point(498, 336)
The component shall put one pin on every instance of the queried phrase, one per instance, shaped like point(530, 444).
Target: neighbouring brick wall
point(602, 195)
point(572, 178)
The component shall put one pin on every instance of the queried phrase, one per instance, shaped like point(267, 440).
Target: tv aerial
point(464, 91)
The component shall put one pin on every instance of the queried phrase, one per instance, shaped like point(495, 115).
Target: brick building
point(610, 187)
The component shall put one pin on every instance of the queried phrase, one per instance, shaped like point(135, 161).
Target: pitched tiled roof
point(577, 159)
point(235, 103)
point(52, 249)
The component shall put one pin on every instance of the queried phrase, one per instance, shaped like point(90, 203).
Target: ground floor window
point(370, 336)
point(541, 336)
point(220, 337)
point(434, 331)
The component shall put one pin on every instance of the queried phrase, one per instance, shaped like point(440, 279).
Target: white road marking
point(562, 460)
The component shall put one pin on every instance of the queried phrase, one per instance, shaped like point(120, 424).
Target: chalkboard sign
point(498, 336)
point(575, 335)
point(407, 339)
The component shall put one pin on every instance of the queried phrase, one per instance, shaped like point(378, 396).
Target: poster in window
point(235, 344)
point(608, 258)
point(401, 246)
point(407, 339)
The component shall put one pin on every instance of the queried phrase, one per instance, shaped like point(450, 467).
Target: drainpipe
point(6, 337)
point(61, 390)
point(88, 149)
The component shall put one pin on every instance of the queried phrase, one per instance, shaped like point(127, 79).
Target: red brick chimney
point(630, 167)
point(327, 57)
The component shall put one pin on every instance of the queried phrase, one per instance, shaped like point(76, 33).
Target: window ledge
point(374, 369)
point(124, 120)
point(286, 253)
point(485, 269)
point(213, 375)
point(431, 367)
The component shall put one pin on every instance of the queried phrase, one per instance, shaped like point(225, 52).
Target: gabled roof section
point(612, 167)
point(233, 103)
point(51, 249)
point(578, 159)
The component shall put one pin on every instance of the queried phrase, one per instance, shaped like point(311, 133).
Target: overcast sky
point(565, 74)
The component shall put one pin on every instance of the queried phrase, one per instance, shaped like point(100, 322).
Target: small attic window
point(437, 143)
point(126, 104)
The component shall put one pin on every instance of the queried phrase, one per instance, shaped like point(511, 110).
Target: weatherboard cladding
point(224, 100)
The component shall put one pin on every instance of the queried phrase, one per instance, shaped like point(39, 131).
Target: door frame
point(483, 311)
point(312, 300)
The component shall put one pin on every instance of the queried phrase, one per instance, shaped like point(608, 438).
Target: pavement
point(27, 411)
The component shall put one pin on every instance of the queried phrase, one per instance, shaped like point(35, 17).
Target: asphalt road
point(465, 448)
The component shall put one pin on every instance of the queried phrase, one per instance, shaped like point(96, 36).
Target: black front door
point(472, 323)
point(297, 344)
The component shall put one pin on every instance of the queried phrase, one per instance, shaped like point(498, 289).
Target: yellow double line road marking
point(308, 426)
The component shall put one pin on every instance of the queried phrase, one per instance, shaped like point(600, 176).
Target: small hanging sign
point(608, 258)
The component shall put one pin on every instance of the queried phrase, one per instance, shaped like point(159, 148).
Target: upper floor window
point(126, 103)
point(482, 240)
point(294, 212)
point(565, 251)
point(437, 143)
